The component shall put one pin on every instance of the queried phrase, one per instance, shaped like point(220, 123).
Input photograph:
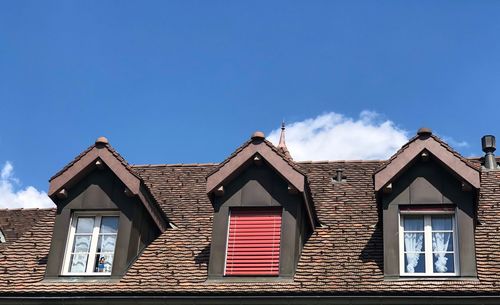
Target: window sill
point(82, 278)
point(249, 279)
point(430, 278)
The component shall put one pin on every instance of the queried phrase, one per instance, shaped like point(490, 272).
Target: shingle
point(343, 256)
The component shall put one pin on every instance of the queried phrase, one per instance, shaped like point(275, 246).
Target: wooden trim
point(72, 174)
point(88, 162)
point(413, 150)
point(225, 173)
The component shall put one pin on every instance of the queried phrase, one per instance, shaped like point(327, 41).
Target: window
point(427, 245)
point(253, 243)
point(2, 237)
point(91, 244)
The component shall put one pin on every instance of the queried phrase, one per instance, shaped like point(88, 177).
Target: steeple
point(282, 145)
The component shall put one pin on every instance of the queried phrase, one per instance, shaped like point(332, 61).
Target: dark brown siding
point(431, 184)
point(259, 186)
point(101, 190)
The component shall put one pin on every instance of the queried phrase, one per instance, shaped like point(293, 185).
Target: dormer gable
point(256, 151)
point(105, 215)
point(263, 213)
point(97, 157)
point(428, 198)
point(420, 146)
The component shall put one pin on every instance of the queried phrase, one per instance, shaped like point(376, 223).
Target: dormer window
point(91, 244)
point(2, 237)
point(428, 196)
point(427, 245)
point(253, 243)
point(263, 214)
point(97, 195)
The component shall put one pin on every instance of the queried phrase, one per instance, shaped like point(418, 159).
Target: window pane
point(443, 262)
point(85, 225)
point(106, 243)
point(109, 224)
point(103, 263)
point(78, 263)
point(82, 243)
point(442, 242)
point(415, 262)
point(414, 242)
point(442, 223)
point(413, 223)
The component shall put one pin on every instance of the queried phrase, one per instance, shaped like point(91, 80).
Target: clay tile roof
point(14, 222)
point(344, 256)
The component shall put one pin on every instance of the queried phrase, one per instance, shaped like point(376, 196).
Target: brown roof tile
point(14, 222)
point(343, 256)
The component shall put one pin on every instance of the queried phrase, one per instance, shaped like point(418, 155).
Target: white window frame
point(93, 244)
point(428, 244)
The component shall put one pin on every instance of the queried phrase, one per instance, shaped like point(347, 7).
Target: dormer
point(428, 196)
point(105, 216)
point(263, 214)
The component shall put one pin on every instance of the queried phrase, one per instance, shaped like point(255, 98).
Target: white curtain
point(440, 245)
point(413, 245)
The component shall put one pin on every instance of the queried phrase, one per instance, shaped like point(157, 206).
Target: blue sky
point(189, 81)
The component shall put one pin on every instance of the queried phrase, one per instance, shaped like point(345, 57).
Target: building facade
point(261, 228)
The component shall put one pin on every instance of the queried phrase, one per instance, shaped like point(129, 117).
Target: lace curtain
point(440, 243)
point(413, 246)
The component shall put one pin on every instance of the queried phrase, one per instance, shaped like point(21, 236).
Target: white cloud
point(333, 136)
point(13, 196)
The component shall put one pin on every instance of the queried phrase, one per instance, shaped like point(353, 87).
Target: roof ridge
point(175, 165)
point(27, 209)
point(338, 161)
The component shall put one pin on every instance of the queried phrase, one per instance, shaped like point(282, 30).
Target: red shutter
point(253, 244)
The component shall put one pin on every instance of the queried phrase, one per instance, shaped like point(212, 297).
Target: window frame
point(428, 253)
point(93, 244)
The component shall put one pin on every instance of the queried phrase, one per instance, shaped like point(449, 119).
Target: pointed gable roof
point(283, 165)
point(257, 145)
point(103, 152)
point(425, 140)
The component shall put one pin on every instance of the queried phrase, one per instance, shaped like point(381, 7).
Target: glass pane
point(109, 224)
point(85, 225)
point(415, 263)
point(106, 243)
point(78, 263)
point(413, 223)
point(442, 223)
point(103, 263)
point(82, 243)
point(443, 262)
point(442, 242)
point(414, 242)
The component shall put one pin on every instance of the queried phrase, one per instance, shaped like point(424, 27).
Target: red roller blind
point(254, 242)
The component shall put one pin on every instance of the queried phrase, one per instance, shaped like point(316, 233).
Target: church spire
point(282, 145)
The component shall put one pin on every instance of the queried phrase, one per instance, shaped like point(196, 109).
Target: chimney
point(488, 144)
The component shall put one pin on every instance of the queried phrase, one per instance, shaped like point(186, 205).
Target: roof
point(86, 161)
point(425, 140)
point(343, 257)
point(14, 222)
